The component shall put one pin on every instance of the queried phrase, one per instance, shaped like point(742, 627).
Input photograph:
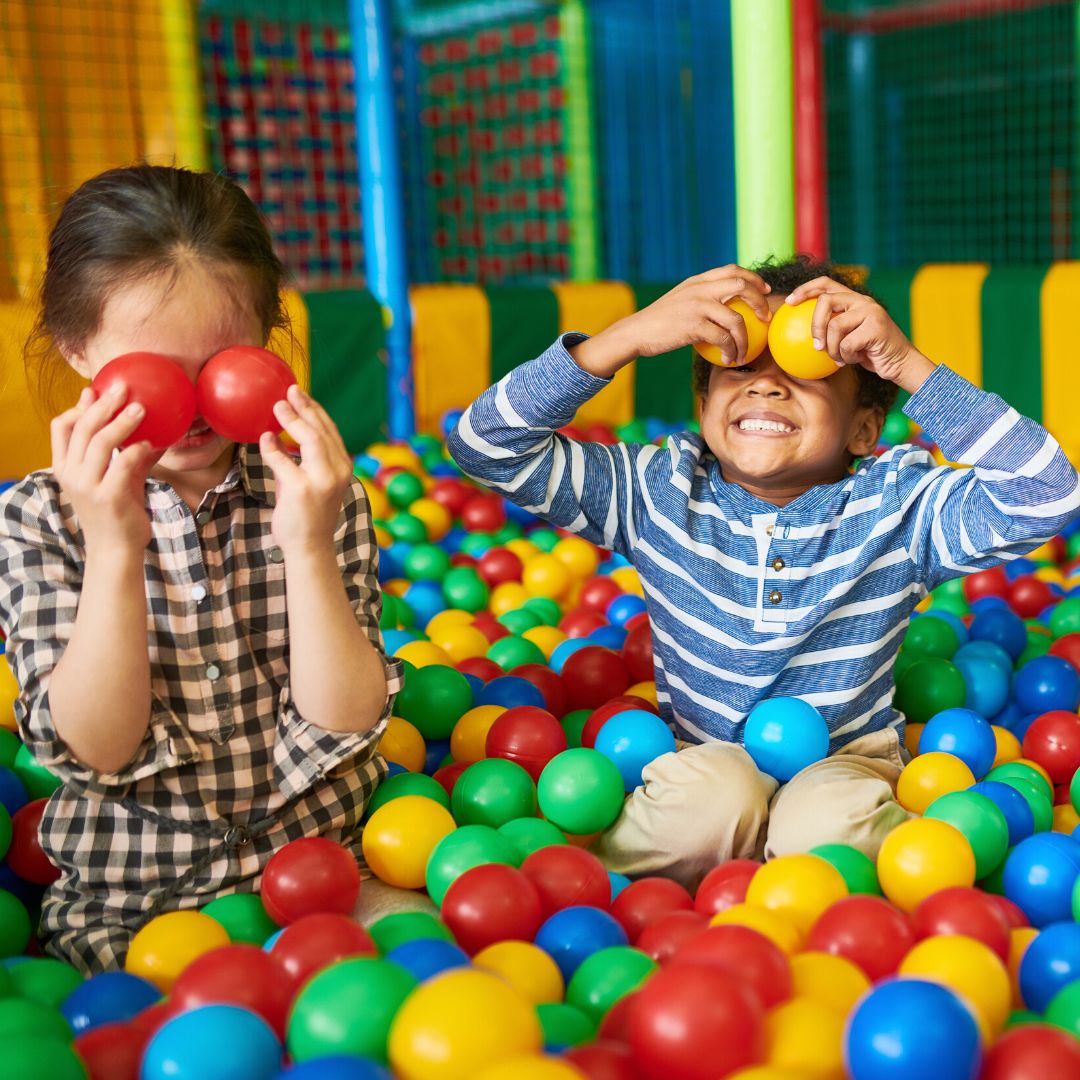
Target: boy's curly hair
point(785, 277)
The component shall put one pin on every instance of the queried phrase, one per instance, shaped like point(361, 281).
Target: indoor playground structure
point(451, 184)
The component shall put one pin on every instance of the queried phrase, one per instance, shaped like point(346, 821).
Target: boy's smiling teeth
point(764, 425)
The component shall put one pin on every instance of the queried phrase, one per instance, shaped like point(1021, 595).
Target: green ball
point(633, 431)
point(1021, 771)
point(5, 831)
point(7, 985)
point(15, 927)
point(544, 539)
point(1072, 546)
point(1038, 645)
point(475, 544)
point(407, 783)
point(927, 636)
point(426, 562)
point(1064, 1009)
point(903, 661)
point(433, 699)
point(33, 1057)
point(348, 1008)
point(928, 687)
point(461, 850)
point(464, 588)
point(981, 822)
point(21, 1016)
point(9, 747)
point(1019, 1017)
point(404, 926)
point(407, 528)
point(1074, 791)
point(39, 782)
point(547, 609)
point(511, 652)
point(432, 459)
point(529, 834)
point(564, 1025)
point(574, 724)
point(520, 620)
point(581, 791)
point(244, 918)
point(1065, 618)
point(606, 976)
point(1041, 808)
point(955, 605)
point(855, 868)
point(45, 980)
point(406, 617)
point(493, 792)
point(423, 443)
point(994, 882)
point(512, 530)
point(403, 489)
point(897, 428)
point(389, 618)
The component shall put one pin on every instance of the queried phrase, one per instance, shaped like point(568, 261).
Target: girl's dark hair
point(139, 222)
point(786, 277)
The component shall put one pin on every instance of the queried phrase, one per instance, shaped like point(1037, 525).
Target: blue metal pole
point(382, 199)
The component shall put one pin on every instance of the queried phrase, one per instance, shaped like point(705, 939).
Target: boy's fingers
point(818, 287)
point(840, 332)
point(731, 330)
point(828, 306)
point(732, 270)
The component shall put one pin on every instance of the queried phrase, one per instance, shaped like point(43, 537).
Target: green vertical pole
point(580, 140)
point(764, 169)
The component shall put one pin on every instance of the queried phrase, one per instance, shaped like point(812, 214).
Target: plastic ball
point(547, 575)
point(1032, 1052)
point(214, 1042)
point(779, 929)
point(566, 876)
point(424, 958)
point(1051, 962)
point(988, 684)
point(403, 489)
point(784, 735)
point(402, 743)
point(743, 952)
point(580, 791)
point(483, 513)
point(401, 835)
point(564, 1025)
point(243, 916)
point(15, 928)
point(592, 675)
point(574, 933)
point(317, 941)
point(832, 980)
point(807, 1036)
point(868, 931)
point(493, 792)
point(461, 850)
point(928, 687)
point(857, 869)
point(1019, 818)
point(646, 900)
point(964, 911)
point(921, 857)
point(1001, 627)
point(528, 736)
point(757, 336)
point(1046, 684)
point(1040, 875)
point(25, 855)
point(964, 734)
point(163, 389)
point(510, 691)
point(791, 343)
point(724, 886)
point(107, 998)
point(307, 876)
point(928, 777)
point(632, 740)
point(529, 834)
point(930, 636)
point(798, 887)
point(1053, 740)
point(529, 1067)
point(463, 588)
point(526, 967)
point(491, 903)
point(513, 651)
point(165, 946)
point(433, 699)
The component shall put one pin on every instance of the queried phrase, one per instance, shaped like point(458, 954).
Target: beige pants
point(708, 803)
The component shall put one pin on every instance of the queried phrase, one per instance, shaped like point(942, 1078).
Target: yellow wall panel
point(25, 445)
point(945, 316)
point(1059, 302)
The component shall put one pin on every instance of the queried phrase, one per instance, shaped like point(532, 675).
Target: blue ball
point(518, 513)
point(1046, 683)
point(964, 734)
point(905, 1028)
point(963, 635)
point(394, 639)
point(450, 420)
point(783, 735)
point(623, 608)
point(1008, 718)
point(13, 793)
point(214, 1042)
point(444, 468)
point(271, 941)
point(434, 752)
point(476, 684)
point(1040, 874)
point(425, 600)
point(111, 997)
point(609, 637)
point(572, 935)
point(335, 1067)
point(509, 691)
point(1003, 628)
point(1018, 815)
point(1051, 961)
point(632, 739)
point(563, 651)
point(987, 685)
point(365, 465)
point(618, 883)
point(984, 650)
point(1019, 568)
point(426, 957)
point(987, 603)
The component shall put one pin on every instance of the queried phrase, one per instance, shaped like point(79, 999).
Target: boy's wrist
point(914, 370)
point(605, 354)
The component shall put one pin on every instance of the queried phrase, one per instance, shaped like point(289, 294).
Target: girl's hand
point(694, 311)
point(309, 494)
point(105, 484)
point(855, 329)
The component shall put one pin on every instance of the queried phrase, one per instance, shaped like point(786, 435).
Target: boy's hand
point(695, 310)
point(855, 329)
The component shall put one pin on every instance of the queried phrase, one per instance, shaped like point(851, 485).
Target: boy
point(769, 567)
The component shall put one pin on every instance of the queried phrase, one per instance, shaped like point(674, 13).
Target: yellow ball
point(9, 693)
point(912, 732)
point(458, 1023)
point(798, 887)
point(1008, 745)
point(970, 968)
point(403, 744)
point(921, 857)
point(378, 500)
point(383, 537)
point(1041, 770)
point(443, 620)
point(395, 455)
point(398, 586)
point(461, 643)
point(1049, 573)
point(930, 776)
point(791, 342)
point(546, 638)
point(507, 596)
point(1065, 818)
point(166, 945)
point(522, 548)
point(579, 556)
point(531, 1067)
point(626, 577)
point(778, 929)
point(469, 737)
point(807, 1036)
point(400, 836)
point(1020, 937)
point(757, 335)
point(434, 515)
point(833, 980)
point(766, 1072)
point(425, 654)
point(646, 690)
point(526, 967)
point(548, 576)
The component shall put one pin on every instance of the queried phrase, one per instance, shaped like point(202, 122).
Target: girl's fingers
point(94, 417)
point(62, 426)
point(311, 440)
point(273, 453)
point(311, 411)
point(99, 450)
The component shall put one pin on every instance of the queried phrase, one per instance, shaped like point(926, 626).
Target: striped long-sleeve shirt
point(749, 600)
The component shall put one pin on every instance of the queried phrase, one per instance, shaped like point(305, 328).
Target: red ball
point(647, 900)
point(547, 682)
point(567, 876)
point(601, 433)
point(241, 975)
point(499, 565)
point(483, 513)
point(481, 667)
point(637, 651)
point(452, 494)
point(25, 857)
point(112, 1051)
point(152, 1018)
point(160, 386)
point(307, 877)
point(662, 939)
point(724, 886)
point(527, 735)
point(459, 558)
point(603, 1060)
point(1029, 595)
point(960, 910)
point(599, 717)
point(744, 954)
point(1068, 648)
point(491, 628)
point(1053, 740)
point(1014, 915)
point(598, 592)
point(581, 623)
point(615, 1026)
point(491, 903)
point(447, 775)
point(592, 676)
point(868, 931)
point(640, 619)
point(694, 1022)
point(317, 941)
point(992, 582)
point(1032, 1052)
point(237, 390)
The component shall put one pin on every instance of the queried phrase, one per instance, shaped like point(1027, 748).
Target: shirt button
point(213, 671)
point(775, 597)
point(202, 517)
point(198, 593)
point(778, 564)
point(276, 555)
point(768, 530)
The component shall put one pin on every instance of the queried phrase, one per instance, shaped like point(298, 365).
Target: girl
point(195, 631)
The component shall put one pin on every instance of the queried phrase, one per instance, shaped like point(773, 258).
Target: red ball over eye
point(160, 386)
point(238, 388)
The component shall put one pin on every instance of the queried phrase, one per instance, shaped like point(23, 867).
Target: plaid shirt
point(228, 771)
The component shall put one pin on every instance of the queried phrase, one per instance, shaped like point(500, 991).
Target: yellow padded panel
point(1059, 301)
point(946, 322)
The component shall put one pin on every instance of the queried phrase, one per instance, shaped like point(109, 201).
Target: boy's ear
point(866, 431)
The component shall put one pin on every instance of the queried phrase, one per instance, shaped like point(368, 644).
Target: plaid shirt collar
point(248, 468)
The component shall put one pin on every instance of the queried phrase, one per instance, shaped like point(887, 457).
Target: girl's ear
point(75, 358)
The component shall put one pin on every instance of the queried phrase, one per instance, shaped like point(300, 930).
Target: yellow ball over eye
point(791, 342)
point(757, 334)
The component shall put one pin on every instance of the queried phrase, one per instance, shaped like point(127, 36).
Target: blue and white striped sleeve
point(1020, 491)
point(507, 440)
